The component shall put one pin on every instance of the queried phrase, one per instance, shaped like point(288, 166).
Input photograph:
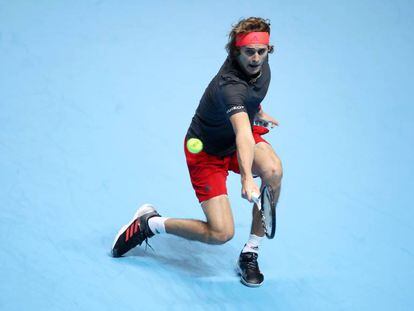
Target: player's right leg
point(208, 175)
point(217, 229)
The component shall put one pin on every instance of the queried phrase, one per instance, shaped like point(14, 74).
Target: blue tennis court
point(95, 100)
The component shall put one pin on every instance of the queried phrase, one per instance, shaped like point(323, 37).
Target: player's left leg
point(267, 166)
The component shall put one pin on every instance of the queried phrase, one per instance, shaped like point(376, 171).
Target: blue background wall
point(95, 99)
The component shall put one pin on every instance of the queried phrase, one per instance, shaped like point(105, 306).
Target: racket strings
point(264, 224)
point(268, 205)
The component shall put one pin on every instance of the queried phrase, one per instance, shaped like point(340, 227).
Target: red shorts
point(208, 173)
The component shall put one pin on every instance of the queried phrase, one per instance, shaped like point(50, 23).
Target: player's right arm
point(245, 153)
point(233, 95)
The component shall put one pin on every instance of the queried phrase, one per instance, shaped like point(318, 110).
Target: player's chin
point(253, 69)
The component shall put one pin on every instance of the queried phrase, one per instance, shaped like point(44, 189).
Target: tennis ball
point(194, 145)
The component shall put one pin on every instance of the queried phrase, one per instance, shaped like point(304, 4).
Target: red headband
point(252, 38)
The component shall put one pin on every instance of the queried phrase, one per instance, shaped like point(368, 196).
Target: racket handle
point(256, 199)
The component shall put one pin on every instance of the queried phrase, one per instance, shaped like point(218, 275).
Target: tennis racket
point(267, 206)
point(264, 123)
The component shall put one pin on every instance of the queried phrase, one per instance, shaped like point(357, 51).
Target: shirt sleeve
point(233, 96)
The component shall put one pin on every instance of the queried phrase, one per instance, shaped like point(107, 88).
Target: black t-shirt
point(231, 91)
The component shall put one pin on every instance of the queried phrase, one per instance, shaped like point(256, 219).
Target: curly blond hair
point(246, 25)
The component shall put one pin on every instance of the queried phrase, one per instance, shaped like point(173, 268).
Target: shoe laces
point(148, 245)
point(251, 261)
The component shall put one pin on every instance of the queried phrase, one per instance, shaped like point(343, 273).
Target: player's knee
point(277, 171)
point(274, 172)
point(221, 237)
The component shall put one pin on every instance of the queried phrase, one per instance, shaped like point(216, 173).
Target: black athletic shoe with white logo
point(249, 271)
point(135, 232)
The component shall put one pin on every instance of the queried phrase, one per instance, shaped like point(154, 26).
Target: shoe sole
point(142, 210)
point(238, 270)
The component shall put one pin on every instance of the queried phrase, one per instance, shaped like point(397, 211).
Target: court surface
point(95, 100)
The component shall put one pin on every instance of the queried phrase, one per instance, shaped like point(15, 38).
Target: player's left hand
point(262, 116)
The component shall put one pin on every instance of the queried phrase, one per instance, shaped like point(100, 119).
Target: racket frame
point(259, 202)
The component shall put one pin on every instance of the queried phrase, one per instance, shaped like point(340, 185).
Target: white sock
point(252, 244)
point(157, 224)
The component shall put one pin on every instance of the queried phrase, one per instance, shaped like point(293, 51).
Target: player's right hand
point(248, 188)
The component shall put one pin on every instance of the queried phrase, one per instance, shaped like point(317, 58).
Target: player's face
point(252, 57)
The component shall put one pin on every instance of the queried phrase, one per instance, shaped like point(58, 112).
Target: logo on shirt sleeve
point(234, 108)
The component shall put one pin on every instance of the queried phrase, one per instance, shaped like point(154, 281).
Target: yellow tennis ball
point(194, 145)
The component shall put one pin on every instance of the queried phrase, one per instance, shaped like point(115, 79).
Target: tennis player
point(224, 122)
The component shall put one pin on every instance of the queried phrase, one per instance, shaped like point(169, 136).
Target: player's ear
point(235, 52)
point(271, 49)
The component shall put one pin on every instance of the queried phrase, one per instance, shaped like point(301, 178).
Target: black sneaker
point(249, 271)
point(135, 232)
